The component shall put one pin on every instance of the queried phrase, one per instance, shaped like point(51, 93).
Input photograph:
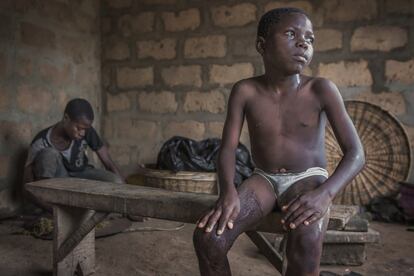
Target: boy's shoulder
point(41, 134)
point(248, 86)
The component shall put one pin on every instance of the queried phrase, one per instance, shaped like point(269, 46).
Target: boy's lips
point(300, 58)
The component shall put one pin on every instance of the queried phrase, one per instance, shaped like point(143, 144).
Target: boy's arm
point(313, 205)
point(228, 205)
point(106, 160)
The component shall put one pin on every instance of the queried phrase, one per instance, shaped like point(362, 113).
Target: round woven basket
point(387, 154)
point(182, 181)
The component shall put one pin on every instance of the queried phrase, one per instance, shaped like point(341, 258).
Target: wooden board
point(150, 202)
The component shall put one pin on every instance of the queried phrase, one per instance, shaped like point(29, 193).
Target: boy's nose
point(303, 44)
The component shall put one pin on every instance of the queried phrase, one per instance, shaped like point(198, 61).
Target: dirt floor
point(171, 253)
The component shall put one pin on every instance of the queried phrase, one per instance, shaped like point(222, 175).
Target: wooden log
point(267, 249)
point(82, 257)
point(150, 202)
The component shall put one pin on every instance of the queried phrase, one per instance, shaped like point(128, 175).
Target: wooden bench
point(79, 205)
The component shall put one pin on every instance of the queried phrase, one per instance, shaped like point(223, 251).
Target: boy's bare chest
point(286, 117)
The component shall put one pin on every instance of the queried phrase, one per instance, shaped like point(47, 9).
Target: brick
point(109, 128)
point(214, 129)
point(224, 74)
point(184, 20)
point(118, 102)
point(33, 100)
point(53, 74)
point(136, 130)
point(346, 74)
point(213, 102)
point(328, 39)
point(119, 4)
point(162, 49)
point(231, 16)
point(116, 49)
point(15, 133)
point(120, 154)
point(37, 36)
point(182, 75)
point(153, 102)
point(393, 102)
point(203, 47)
point(4, 166)
point(190, 129)
point(243, 45)
point(399, 71)
point(378, 38)
point(304, 5)
point(350, 10)
point(136, 24)
point(134, 77)
point(62, 99)
point(399, 7)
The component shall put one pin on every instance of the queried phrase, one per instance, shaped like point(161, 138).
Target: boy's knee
point(209, 243)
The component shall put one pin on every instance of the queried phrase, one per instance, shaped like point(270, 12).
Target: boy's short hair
point(79, 108)
point(272, 17)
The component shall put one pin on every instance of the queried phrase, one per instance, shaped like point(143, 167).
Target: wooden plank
point(150, 202)
point(267, 249)
point(82, 257)
point(78, 234)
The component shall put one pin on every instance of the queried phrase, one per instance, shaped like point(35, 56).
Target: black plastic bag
point(184, 154)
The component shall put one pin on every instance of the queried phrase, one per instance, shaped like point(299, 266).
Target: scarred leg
point(256, 201)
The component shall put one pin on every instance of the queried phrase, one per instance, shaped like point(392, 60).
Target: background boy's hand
point(306, 209)
point(225, 213)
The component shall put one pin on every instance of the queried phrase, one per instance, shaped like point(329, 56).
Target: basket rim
point(398, 123)
point(180, 175)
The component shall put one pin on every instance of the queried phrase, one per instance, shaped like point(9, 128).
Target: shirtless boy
point(59, 150)
point(286, 113)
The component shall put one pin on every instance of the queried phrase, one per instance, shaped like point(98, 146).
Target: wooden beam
point(150, 202)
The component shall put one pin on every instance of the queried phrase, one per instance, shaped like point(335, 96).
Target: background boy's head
point(272, 17)
point(78, 116)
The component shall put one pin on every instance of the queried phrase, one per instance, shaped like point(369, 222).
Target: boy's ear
point(66, 117)
point(260, 42)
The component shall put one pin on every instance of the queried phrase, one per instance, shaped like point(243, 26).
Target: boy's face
point(76, 129)
point(289, 44)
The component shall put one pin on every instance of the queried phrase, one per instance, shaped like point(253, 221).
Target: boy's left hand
point(306, 209)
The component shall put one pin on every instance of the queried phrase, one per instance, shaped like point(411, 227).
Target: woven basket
point(183, 181)
point(387, 153)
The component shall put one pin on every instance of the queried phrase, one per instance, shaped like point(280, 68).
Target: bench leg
point(267, 249)
point(82, 257)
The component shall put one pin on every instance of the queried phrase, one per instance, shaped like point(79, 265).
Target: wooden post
point(82, 258)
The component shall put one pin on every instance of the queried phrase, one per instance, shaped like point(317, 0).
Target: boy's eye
point(311, 39)
point(290, 34)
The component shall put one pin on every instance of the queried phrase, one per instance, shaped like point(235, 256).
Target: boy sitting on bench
point(59, 150)
point(286, 113)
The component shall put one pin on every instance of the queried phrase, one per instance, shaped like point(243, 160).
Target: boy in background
point(60, 150)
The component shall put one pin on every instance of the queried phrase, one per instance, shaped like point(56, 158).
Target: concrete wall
point(49, 53)
point(168, 65)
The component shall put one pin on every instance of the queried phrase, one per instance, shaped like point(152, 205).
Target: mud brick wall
point(168, 65)
point(49, 53)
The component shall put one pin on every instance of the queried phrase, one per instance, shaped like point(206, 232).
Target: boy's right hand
point(225, 213)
